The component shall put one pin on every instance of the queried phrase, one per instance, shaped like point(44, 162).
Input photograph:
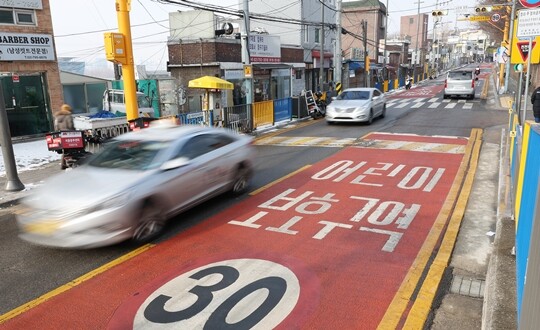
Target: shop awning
point(209, 82)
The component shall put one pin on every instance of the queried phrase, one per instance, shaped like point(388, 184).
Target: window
point(17, 16)
point(25, 17)
point(317, 34)
point(411, 20)
point(203, 144)
point(306, 34)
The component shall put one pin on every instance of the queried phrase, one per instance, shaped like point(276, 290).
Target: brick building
point(29, 73)
point(193, 54)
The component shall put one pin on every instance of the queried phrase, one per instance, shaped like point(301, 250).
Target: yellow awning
point(210, 82)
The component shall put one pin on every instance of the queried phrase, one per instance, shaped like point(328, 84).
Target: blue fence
point(197, 118)
point(283, 109)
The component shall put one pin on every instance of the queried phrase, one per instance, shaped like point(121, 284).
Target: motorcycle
point(70, 144)
point(320, 100)
point(408, 83)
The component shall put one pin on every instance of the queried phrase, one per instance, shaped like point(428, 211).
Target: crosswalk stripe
point(468, 106)
point(434, 99)
point(434, 105)
point(418, 105)
point(402, 105)
point(450, 106)
point(446, 101)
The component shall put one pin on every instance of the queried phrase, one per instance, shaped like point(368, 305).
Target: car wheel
point(445, 96)
point(241, 180)
point(151, 224)
point(383, 113)
point(370, 119)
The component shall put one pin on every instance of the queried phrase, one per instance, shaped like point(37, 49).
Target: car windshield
point(460, 75)
point(130, 155)
point(354, 95)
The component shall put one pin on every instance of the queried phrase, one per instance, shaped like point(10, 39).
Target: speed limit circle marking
point(238, 293)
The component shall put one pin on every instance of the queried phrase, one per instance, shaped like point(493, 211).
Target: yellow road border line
point(424, 300)
point(485, 89)
point(261, 189)
point(397, 307)
point(283, 130)
point(29, 305)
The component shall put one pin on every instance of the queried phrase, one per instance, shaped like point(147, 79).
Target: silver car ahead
point(356, 105)
point(134, 184)
point(459, 83)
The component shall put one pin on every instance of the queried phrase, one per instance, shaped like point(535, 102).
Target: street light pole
point(511, 34)
point(385, 71)
point(416, 57)
point(321, 55)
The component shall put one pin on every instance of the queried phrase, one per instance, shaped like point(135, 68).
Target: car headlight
point(113, 202)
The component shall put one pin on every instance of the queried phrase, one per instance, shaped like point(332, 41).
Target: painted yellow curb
point(403, 296)
point(26, 307)
point(424, 300)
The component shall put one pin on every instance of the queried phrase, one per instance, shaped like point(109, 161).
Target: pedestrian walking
point(63, 120)
point(535, 100)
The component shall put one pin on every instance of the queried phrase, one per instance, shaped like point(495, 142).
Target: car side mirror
point(175, 163)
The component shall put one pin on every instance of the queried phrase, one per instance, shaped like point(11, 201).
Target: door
point(25, 101)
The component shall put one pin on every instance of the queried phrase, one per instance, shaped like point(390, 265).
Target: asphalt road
point(29, 272)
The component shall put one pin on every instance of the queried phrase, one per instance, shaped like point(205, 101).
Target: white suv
point(459, 83)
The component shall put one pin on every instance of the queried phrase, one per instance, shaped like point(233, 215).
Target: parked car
point(134, 184)
point(459, 83)
point(356, 105)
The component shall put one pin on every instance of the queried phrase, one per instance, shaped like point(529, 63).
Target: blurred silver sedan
point(356, 105)
point(134, 184)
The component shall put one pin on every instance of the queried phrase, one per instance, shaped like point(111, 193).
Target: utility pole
point(245, 51)
point(13, 182)
point(337, 54)
point(510, 41)
point(416, 57)
point(385, 71)
point(364, 38)
point(128, 70)
point(321, 55)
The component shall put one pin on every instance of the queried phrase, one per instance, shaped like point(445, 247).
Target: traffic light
point(439, 13)
point(485, 9)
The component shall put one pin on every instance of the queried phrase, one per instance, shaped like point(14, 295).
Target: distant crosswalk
point(432, 103)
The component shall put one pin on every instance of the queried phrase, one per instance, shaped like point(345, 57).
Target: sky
point(80, 35)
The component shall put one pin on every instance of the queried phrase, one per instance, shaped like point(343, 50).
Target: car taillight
point(445, 83)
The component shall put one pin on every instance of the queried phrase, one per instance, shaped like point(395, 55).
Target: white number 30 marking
point(231, 294)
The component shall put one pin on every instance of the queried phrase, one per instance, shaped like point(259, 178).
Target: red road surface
point(324, 249)
point(419, 92)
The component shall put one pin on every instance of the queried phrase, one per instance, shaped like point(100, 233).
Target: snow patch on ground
point(29, 156)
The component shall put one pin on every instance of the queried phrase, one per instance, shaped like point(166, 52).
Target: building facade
point(29, 73)
point(278, 70)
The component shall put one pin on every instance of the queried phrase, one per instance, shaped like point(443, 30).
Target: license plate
point(43, 227)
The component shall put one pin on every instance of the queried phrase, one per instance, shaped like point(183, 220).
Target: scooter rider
point(408, 81)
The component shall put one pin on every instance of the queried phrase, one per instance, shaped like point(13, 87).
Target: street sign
point(479, 18)
point(530, 3)
point(495, 17)
point(528, 23)
point(520, 49)
point(523, 49)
